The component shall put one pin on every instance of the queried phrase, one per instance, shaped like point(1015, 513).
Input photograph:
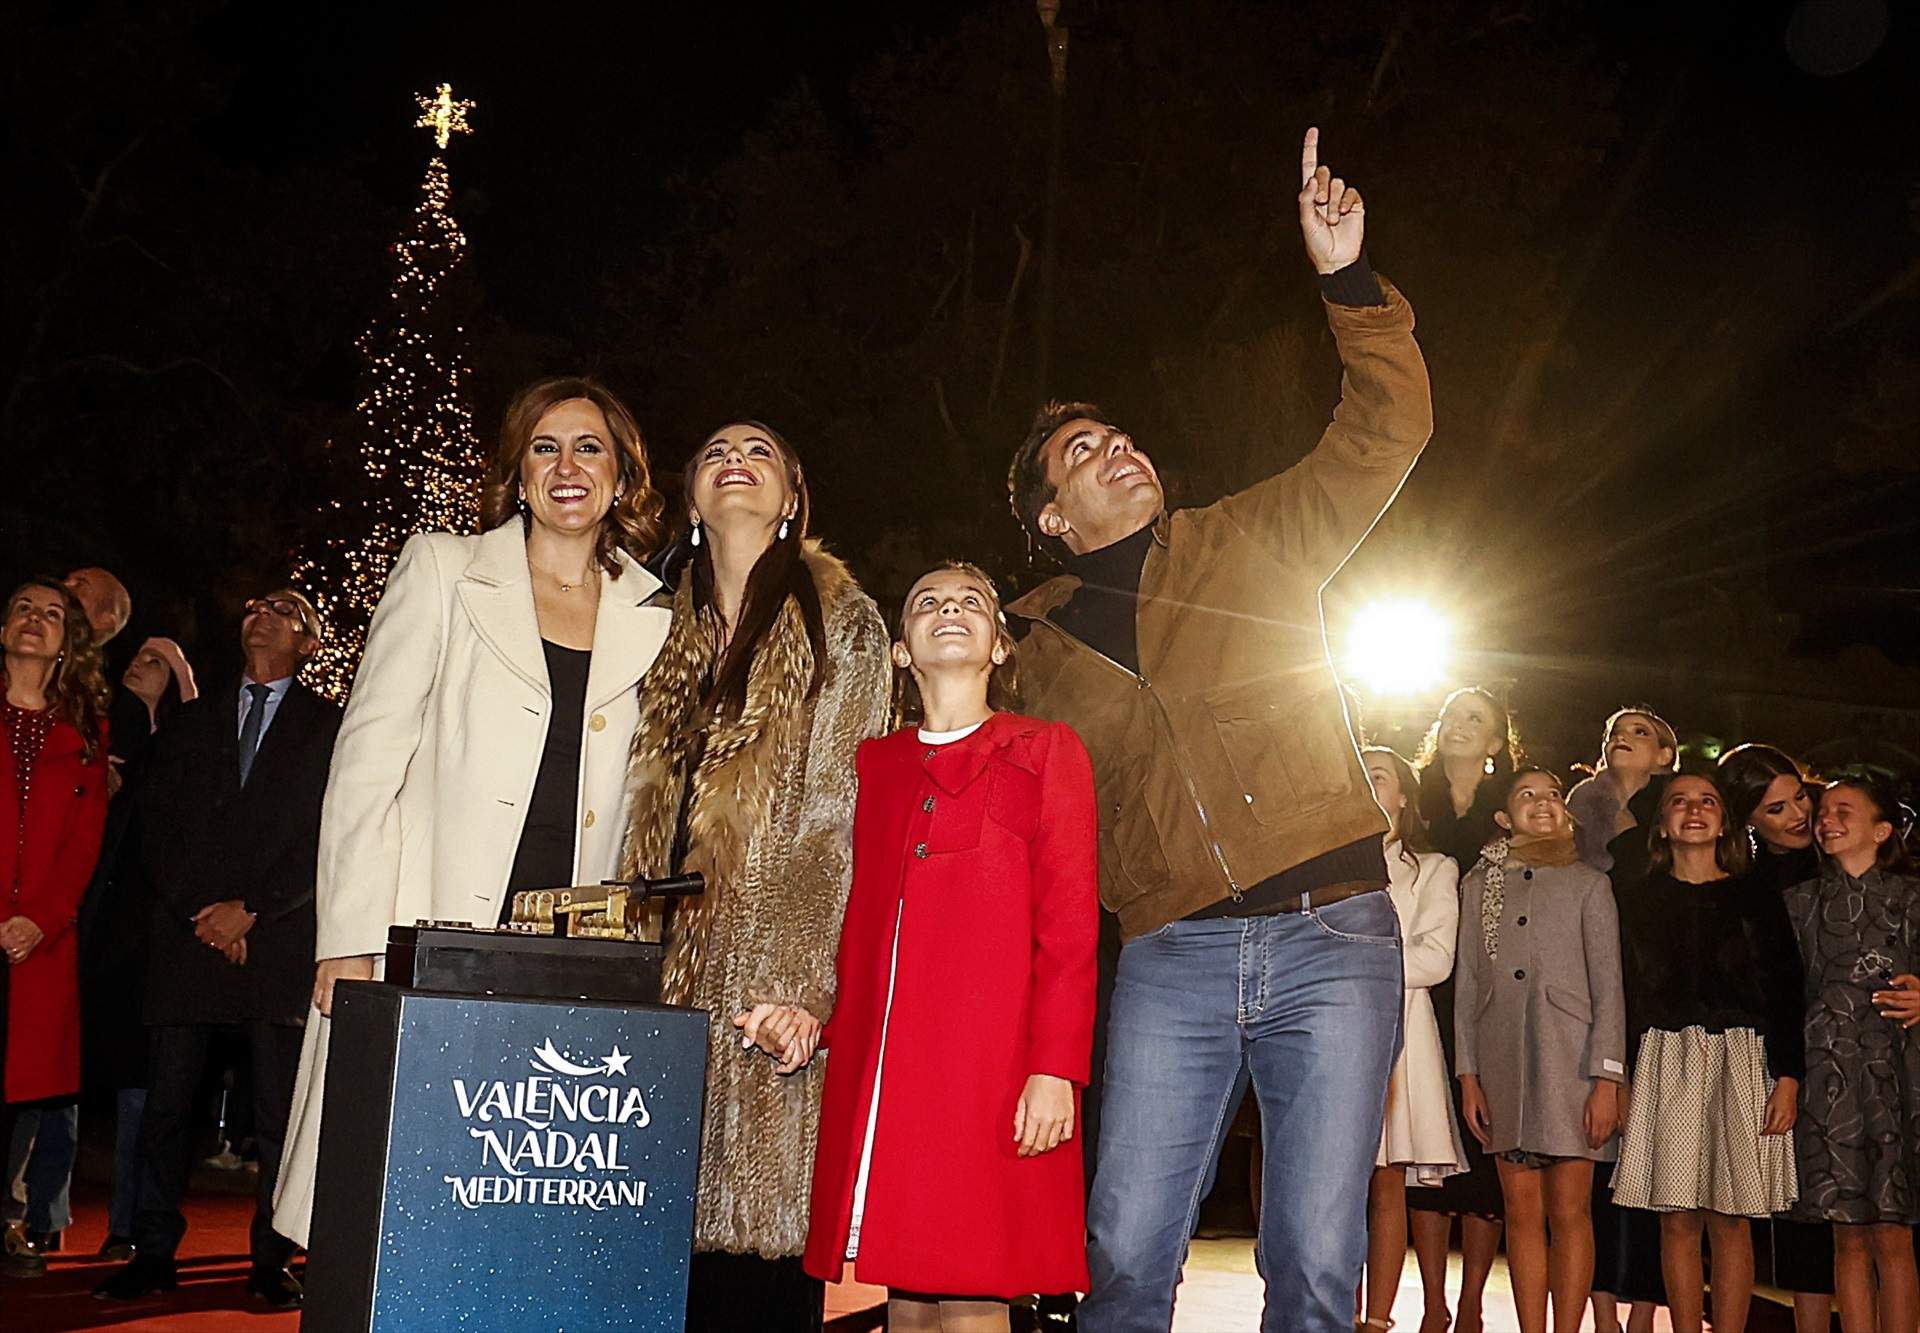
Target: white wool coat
point(436, 760)
point(1420, 1132)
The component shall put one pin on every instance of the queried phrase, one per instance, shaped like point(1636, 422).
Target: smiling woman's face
point(570, 474)
point(741, 475)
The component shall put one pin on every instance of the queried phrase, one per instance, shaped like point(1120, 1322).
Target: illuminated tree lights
point(417, 450)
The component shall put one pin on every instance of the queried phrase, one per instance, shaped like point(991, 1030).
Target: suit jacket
point(208, 839)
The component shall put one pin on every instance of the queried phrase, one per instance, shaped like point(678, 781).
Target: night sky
point(1664, 259)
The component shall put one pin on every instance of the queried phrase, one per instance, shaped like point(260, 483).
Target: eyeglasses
point(280, 606)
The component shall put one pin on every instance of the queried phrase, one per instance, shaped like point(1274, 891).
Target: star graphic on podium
point(617, 1063)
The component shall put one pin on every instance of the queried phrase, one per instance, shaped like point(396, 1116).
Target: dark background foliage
point(1664, 259)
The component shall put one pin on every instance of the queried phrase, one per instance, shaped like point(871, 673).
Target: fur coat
point(770, 826)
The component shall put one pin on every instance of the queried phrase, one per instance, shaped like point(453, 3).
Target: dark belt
point(1326, 896)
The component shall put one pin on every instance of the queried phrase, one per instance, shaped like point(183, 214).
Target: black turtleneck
point(1102, 611)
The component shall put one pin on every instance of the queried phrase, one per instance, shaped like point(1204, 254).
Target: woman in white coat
point(484, 748)
point(1419, 1140)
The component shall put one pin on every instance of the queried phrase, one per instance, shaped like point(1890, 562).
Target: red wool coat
point(42, 877)
point(986, 850)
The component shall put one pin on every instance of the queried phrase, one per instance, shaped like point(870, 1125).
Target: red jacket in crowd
point(986, 851)
point(50, 864)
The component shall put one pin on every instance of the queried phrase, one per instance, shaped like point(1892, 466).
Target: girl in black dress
point(1469, 753)
point(1770, 796)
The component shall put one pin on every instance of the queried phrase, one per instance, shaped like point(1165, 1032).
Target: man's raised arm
point(1318, 511)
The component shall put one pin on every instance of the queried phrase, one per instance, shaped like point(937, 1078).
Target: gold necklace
point(564, 585)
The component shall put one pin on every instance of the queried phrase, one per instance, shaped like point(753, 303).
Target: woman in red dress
point(964, 1015)
point(53, 806)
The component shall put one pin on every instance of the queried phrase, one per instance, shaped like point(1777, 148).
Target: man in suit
point(232, 818)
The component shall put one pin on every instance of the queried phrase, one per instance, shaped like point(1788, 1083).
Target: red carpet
point(213, 1270)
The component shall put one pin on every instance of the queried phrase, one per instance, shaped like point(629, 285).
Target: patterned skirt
point(1693, 1135)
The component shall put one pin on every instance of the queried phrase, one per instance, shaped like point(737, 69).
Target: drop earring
point(695, 538)
point(1488, 766)
point(783, 530)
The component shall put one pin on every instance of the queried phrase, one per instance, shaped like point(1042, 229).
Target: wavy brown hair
point(1003, 681)
point(635, 524)
point(79, 688)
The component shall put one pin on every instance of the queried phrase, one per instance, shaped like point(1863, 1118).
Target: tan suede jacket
point(1230, 757)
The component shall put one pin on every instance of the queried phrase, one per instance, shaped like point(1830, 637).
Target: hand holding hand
point(786, 1032)
point(1333, 217)
point(330, 970)
point(1602, 1112)
point(1783, 1107)
point(218, 925)
point(1901, 1004)
point(1473, 1109)
point(236, 953)
point(1043, 1118)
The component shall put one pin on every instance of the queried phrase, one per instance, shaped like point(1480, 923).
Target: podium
point(495, 1161)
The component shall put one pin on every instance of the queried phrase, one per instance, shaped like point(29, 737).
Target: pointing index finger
point(1309, 156)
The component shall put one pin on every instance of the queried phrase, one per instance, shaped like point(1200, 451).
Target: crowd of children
point(1680, 1004)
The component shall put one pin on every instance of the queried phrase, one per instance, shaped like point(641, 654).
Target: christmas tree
point(418, 465)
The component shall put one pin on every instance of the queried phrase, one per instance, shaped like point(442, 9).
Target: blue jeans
point(1307, 1005)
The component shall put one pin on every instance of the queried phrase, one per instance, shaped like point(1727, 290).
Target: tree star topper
point(442, 114)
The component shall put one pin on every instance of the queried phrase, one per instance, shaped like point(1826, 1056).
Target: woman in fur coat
point(774, 671)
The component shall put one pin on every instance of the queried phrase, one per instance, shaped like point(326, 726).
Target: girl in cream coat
point(438, 754)
point(1419, 1139)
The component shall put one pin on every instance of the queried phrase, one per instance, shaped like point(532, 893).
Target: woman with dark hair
point(1469, 753)
point(1419, 1140)
point(1858, 1149)
point(114, 931)
point(1770, 798)
point(53, 808)
point(1714, 1038)
point(483, 750)
point(773, 673)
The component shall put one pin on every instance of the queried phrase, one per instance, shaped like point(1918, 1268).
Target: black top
point(1458, 836)
point(544, 859)
point(1717, 956)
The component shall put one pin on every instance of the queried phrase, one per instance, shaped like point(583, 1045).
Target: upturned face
point(1784, 818)
point(1634, 746)
point(1691, 814)
point(146, 675)
point(951, 621)
point(570, 474)
point(742, 475)
point(36, 625)
point(1536, 807)
point(276, 624)
point(1386, 787)
point(1848, 824)
point(1104, 488)
point(1470, 729)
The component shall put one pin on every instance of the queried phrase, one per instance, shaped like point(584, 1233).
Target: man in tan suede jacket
point(1240, 844)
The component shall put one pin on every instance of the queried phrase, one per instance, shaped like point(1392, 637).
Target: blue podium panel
point(535, 1164)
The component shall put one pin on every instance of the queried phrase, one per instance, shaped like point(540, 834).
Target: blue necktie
point(250, 729)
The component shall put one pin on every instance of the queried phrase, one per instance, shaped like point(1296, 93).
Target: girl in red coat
point(963, 1021)
point(53, 806)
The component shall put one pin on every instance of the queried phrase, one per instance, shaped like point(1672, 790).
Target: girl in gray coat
point(1540, 1051)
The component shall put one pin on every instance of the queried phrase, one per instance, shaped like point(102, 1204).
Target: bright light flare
point(1400, 647)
